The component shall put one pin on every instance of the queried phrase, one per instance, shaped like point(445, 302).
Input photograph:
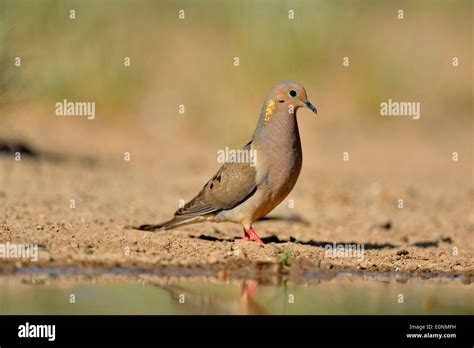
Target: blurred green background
point(190, 61)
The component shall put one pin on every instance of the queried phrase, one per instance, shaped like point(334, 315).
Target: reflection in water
point(344, 294)
point(335, 293)
point(199, 300)
point(248, 304)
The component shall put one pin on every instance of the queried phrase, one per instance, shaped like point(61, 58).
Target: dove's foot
point(251, 234)
point(245, 238)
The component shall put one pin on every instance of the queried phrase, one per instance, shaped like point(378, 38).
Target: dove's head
point(279, 110)
point(290, 95)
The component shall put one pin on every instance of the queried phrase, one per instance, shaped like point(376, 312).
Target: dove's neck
point(280, 133)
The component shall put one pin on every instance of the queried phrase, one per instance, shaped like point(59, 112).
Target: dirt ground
point(353, 201)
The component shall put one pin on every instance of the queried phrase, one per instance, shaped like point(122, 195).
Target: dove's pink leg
point(246, 237)
point(252, 235)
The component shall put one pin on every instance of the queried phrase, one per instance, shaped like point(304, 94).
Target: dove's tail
point(174, 222)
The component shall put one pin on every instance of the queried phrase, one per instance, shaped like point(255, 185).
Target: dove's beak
point(311, 106)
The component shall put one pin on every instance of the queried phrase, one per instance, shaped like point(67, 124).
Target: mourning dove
point(244, 192)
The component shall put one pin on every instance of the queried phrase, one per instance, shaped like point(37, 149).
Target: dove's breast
point(278, 167)
point(281, 166)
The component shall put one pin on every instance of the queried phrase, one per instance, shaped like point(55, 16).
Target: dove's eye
point(292, 93)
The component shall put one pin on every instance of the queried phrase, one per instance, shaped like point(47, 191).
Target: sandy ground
point(339, 201)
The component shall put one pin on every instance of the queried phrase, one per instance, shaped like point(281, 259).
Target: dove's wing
point(232, 184)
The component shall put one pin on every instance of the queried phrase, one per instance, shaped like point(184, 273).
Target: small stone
point(447, 240)
point(385, 224)
point(402, 252)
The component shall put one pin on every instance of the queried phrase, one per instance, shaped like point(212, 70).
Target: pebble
point(402, 252)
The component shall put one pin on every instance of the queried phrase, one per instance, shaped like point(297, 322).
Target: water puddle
point(194, 291)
